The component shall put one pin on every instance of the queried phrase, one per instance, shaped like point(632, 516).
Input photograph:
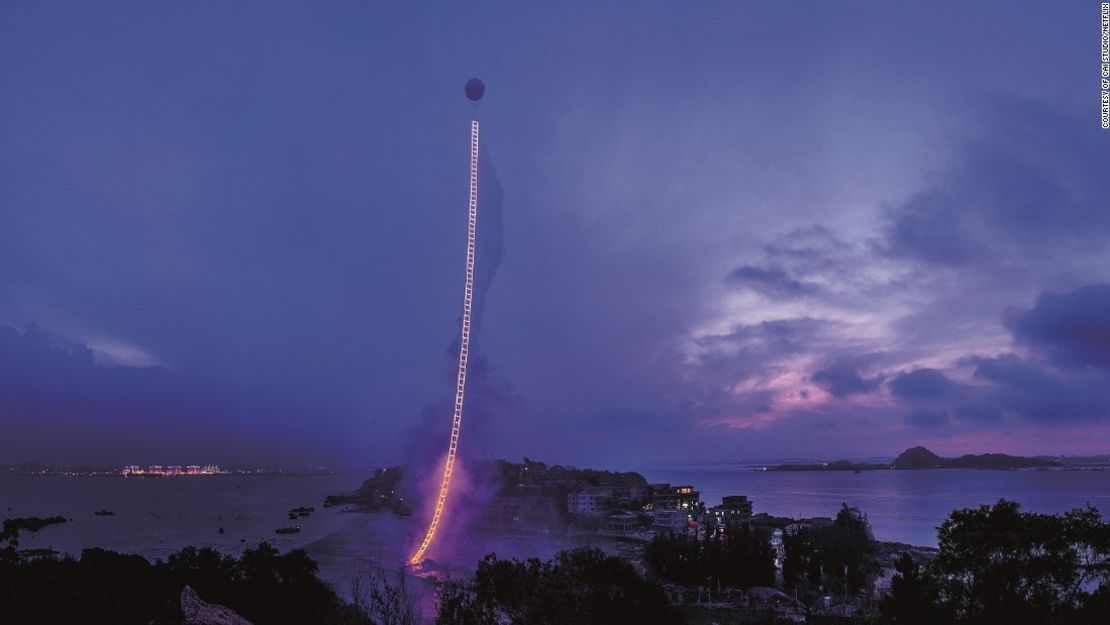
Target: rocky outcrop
point(199, 612)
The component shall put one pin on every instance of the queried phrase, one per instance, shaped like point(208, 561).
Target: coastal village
point(625, 511)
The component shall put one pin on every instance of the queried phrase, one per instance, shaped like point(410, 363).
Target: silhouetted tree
point(579, 587)
point(385, 597)
point(801, 564)
point(847, 552)
point(749, 557)
point(912, 595)
point(839, 558)
point(741, 558)
point(677, 558)
point(998, 564)
point(266, 587)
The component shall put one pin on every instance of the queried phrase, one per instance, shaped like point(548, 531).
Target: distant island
point(922, 458)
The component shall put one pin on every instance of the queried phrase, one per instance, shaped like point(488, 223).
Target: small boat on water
point(104, 513)
point(288, 530)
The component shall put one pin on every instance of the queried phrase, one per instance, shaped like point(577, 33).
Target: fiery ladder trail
point(464, 347)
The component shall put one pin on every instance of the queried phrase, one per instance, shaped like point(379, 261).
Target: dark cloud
point(817, 263)
point(1027, 188)
point(842, 380)
point(1032, 390)
point(927, 417)
point(982, 412)
point(928, 227)
point(749, 351)
point(1073, 329)
point(774, 339)
point(770, 281)
point(921, 384)
point(1063, 381)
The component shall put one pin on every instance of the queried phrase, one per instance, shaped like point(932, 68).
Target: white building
point(676, 521)
point(588, 501)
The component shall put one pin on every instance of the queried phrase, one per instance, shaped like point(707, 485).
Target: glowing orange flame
point(464, 347)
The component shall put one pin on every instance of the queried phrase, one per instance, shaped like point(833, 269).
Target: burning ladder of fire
point(464, 347)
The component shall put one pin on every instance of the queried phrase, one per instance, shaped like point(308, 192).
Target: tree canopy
point(1001, 565)
point(579, 587)
point(266, 587)
point(839, 557)
point(741, 558)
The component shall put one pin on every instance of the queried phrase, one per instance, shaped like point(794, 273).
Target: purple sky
point(233, 232)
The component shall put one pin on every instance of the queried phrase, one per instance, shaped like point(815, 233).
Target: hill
point(917, 458)
point(922, 458)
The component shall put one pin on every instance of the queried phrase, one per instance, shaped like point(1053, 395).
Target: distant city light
point(159, 470)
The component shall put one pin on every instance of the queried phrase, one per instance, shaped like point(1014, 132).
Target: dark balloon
point(475, 89)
